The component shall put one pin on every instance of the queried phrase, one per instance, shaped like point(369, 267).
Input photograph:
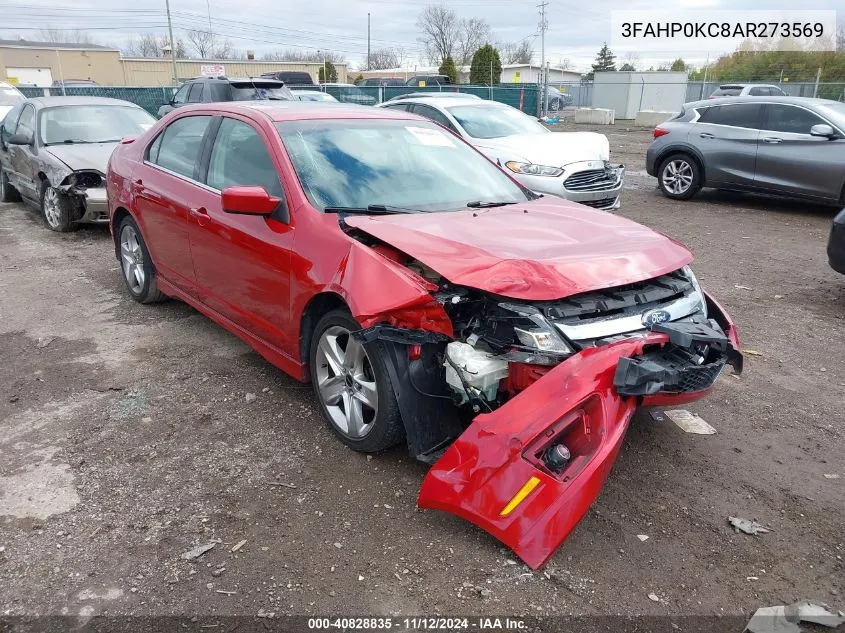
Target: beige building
point(27, 63)
point(41, 63)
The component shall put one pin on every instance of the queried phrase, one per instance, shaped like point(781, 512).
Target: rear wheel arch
point(116, 219)
point(319, 305)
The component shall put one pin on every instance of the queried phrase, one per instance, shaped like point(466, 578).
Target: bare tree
point(210, 46)
point(150, 45)
point(439, 32)
point(632, 60)
point(472, 34)
point(516, 53)
point(383, 58)
point(565, 64)
point(63, 36)
point(297, 55)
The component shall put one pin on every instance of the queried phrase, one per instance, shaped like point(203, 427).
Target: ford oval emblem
point(653, 317)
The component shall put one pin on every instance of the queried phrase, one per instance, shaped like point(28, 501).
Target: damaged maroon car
point(506, 338)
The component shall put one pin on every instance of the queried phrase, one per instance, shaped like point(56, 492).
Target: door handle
point(200, 214)
point(706, 135)
point(772, 139)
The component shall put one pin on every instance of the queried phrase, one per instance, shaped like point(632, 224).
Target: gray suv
point(789, 146)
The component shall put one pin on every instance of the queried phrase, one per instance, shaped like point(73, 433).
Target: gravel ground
point(130, 434)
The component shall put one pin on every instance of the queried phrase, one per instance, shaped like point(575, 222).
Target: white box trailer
point(628, 93)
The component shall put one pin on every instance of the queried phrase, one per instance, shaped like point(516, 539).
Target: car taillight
point(659, 131)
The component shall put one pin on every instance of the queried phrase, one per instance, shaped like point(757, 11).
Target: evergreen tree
point(327, 68)
point(679, 65)
point(605, 60)
point(449, 69)
point(483, 60)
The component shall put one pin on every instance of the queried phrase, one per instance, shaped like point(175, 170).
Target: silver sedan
point(572, 165)
point(54, 152)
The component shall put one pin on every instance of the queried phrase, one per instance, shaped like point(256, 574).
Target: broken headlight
point(530, 169)
point(687, 272)
point(540, 335)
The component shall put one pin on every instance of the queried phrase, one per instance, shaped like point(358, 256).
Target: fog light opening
point(557, 457)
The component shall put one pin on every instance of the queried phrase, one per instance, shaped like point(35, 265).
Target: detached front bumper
point(498, 475)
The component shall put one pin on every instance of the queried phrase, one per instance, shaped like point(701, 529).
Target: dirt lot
point(130, 434)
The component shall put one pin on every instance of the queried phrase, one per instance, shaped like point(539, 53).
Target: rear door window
point(195, 93)
point(180, 146)
point(736, 115)
point(759, 91)
point(790, 119)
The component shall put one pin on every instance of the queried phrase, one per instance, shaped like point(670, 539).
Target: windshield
point(486, 121)
point(92, 123)
point(256, 91)
point(835, 111)
point(410, 164)
point(10, 96)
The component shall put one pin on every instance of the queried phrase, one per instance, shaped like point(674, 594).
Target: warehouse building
point(28, 63)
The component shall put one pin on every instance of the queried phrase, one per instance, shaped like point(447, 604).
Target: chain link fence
point(151, 99)
point(525, 98)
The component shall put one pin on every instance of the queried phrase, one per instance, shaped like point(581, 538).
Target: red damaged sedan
point(430, 299)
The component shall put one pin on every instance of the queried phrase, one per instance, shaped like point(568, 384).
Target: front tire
point(139, 274)
point(7, 192)
point(353, 385)
point(679, 177)
point(55, 209)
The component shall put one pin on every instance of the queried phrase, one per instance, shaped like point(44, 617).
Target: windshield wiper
point(379, 209)
point(486, 204)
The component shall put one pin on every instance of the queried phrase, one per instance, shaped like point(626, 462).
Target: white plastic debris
point(749, 527)
point(198, 551)
point(689, 422)
point(642, 537)
point(653, 597)
point(785, 619)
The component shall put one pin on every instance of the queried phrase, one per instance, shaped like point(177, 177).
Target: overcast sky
point(576, 29)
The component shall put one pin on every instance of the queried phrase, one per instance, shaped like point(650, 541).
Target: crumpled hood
point(84, 155)
point(555, 148)
point(540, 250)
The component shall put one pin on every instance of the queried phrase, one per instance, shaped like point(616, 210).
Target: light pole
point(172, 43)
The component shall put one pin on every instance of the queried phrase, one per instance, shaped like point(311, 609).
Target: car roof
point(805, 101)
point(444, 102)
point(735, 85)
point(50, 102)
point(280, 111)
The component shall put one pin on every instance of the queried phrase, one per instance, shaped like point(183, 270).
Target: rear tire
point(139, 274)
point(55, 209)
point(7, 192)
point(679, 177)
point(353, 386)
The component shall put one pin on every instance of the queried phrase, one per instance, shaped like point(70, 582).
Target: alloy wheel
point(52, 208)
point(677, 176)
point(132, 259)
point(346, 383)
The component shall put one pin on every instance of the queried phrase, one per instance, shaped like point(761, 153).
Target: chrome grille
point(591, 180)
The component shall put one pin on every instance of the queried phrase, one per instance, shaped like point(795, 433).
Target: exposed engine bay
point(502, 346)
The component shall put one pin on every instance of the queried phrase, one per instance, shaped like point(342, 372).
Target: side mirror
point(20, 139)
point(249, 201)
point(822, 129)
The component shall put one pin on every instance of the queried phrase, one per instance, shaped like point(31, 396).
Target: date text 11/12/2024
point(418, 623)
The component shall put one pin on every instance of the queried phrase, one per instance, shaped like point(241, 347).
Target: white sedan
point(573, 165)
